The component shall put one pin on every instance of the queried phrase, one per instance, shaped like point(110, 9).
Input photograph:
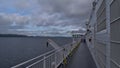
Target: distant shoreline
point(16, 35)
point(12, 35)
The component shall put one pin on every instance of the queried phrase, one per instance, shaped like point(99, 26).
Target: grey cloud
point(50, 13)
point(8, 19)
point(69, 7)
point(4, 21)
point(77, 10)
point(12, 21)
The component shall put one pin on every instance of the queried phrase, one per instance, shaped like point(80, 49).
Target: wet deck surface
point(81, 58)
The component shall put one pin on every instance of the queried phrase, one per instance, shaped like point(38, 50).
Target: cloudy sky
point(43, 17)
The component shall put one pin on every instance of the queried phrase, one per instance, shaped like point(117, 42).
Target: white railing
point(50, 59)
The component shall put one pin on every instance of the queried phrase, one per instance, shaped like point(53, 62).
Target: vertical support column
point(94, 37)
point(95, 31)
point(108, 33)
point(55, 59)
point(44, 62)
point(95, 26)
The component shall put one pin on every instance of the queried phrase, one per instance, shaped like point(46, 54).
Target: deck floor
point(82, 58)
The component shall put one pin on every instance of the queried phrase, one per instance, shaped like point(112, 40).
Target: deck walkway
point(81, 58)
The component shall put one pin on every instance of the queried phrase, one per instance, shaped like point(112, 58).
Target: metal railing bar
point(58, 63)
point(115, 20)
point(118, 65)
point(98, 16)
point(101, 41)
point(99, 2)
point(39, 60)
point(101, 52)
point(32, 59)
point(60, 52)
point(101, 21)
point(112, 2)
point(34, 63)
point(118, 42)
point(101, 60)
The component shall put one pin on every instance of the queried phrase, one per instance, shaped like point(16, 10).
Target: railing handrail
point(46, 55)
point(39, 60)
point(32, 59)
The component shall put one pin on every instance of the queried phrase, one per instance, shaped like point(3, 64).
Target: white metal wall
point(115, 33)
point(105, 45)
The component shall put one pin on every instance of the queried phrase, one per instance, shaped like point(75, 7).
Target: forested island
point(12, 35)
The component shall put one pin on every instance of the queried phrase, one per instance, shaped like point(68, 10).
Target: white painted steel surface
point(105, 33)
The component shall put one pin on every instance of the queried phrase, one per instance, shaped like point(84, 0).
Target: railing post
point(44, 62)
point(108, 33)
point(55, 58)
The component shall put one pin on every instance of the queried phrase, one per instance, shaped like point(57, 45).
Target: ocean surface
point(14, 50)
